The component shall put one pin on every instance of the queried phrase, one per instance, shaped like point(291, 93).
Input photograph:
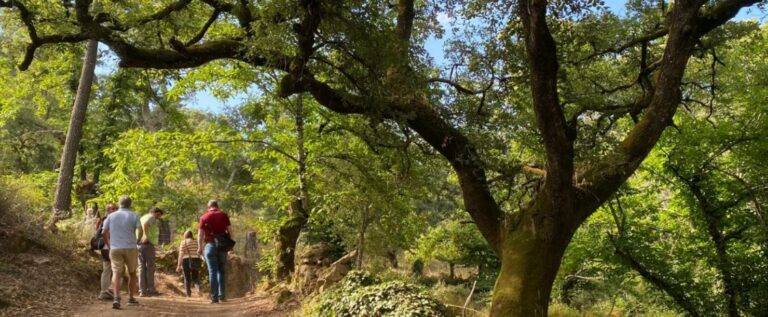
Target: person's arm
point(181, 247)
point(105, 232)
point(105, 235)
point(140, 230)
point(200, 235)
point(230, 232)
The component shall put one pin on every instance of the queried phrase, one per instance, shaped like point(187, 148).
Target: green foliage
point(27, 194)
point(456, 241)
point(361, 294)
point(171, 170)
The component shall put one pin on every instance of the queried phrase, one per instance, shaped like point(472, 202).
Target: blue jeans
point(217, 262)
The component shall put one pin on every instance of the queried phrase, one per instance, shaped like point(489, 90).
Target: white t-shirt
point(122, 225)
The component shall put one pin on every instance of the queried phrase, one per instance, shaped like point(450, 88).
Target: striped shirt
point(188, 249)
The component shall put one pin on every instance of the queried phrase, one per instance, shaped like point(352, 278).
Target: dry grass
point(40, 274)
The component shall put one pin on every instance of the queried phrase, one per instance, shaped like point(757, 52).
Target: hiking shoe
point(132, 302)
point(222, 299)
point(142, 294)
point(105, 296)
point(116, 304)
point(214, 301)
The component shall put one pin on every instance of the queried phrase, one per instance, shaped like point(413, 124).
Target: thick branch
point(446, 139)
point(405, 16)
point(37, 41)
point(132, 56)
point(29, 55)
point(24, 14)
point(603, 179)
point(558, 141)
point(713, 17)
point(245, 17)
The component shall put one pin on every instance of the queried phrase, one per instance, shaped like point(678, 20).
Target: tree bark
point(251, 245)
point(530, 259)
point(288, 237)
point(63, 199)
point(361, 237)
point(299, 213)
point(392, 257)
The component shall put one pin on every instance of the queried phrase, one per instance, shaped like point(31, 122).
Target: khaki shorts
point(122, 258)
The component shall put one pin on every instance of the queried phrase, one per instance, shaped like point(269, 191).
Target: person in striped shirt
point(189, 262)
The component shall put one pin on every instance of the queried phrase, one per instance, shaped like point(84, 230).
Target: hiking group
point(127, 244)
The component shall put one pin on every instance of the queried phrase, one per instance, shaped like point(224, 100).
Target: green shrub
point(362, 294)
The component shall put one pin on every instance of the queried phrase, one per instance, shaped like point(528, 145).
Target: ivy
point(362, 294)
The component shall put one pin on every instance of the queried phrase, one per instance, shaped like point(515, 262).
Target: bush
point(362, 294)
point(454, 297)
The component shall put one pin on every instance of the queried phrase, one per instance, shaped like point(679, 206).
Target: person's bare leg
point(133, 285)
point(116, 276)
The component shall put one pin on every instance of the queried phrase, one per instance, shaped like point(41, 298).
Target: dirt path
point(165, 305)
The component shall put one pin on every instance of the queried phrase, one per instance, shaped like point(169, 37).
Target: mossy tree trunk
point(299, 212)
point(288, 237)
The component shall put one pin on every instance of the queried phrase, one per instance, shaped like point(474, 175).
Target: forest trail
point(172, 302)
point(165, 305)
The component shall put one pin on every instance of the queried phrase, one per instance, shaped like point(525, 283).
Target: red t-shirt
point(213, 222)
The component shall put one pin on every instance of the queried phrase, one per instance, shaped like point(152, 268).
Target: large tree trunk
point(63, 199)
point(530, 259)
point(288, 236)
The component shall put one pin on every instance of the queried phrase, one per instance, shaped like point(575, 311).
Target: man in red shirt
point(214, 222)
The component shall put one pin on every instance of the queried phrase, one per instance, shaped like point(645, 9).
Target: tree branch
point(679, 296)
point(446, 139)
point(196, 55)
point(165, 12)
point(405, 16)
point(631, 43)
point(36, 41)
point(200, 34)
point(558, 138)
point(715, 16)
point(456, 85)
point(221, 6)
point(600, 180)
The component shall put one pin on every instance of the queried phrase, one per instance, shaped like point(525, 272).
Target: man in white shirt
point(120, 230)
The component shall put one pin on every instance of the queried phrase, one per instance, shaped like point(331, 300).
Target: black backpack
point(223, 241)
point(97, 241)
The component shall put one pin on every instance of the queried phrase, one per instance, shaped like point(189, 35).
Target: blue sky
point(205, 101)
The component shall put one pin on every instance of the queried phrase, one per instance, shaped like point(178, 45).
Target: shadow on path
point(165, 305)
